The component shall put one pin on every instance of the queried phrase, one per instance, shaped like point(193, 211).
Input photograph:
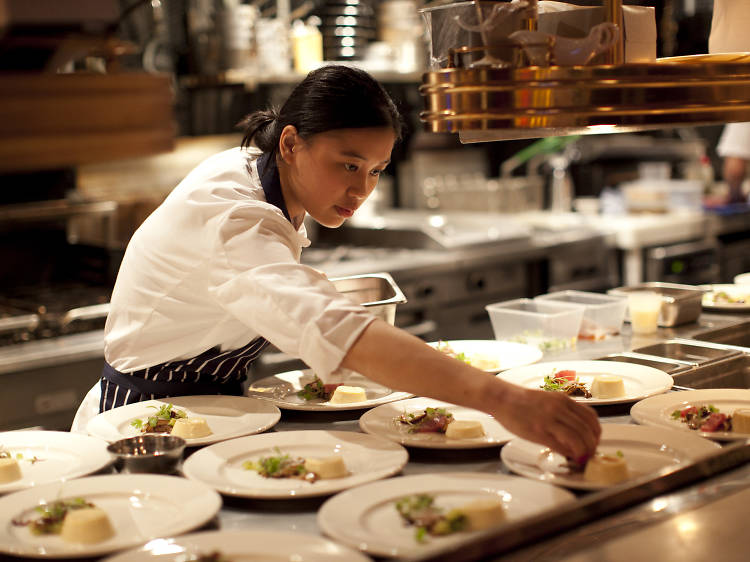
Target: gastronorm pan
point(377, 292)
point(689, 351)
point(680, 303)
point(669, 367)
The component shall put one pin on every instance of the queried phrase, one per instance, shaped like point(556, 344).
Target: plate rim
point(122, 482)
point(531, 348)
point(570, 363)
point(394, 396)
point(443, 445)
point(246, 535)
point(96, 426)
point(636, 413)
point(286, 494)
point(101, 459)
point(375, 550)
point(724, 306)
point(605, 427)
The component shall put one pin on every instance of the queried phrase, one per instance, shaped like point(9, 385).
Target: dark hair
point(331, 97)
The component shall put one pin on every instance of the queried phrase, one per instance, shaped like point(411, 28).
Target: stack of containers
point(603, 315)
point(348, 27)
point(550, 325)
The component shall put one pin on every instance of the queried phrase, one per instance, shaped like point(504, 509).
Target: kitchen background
point(457, 226)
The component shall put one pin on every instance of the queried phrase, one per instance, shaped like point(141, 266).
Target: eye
point(351, 167)
point(376, 172)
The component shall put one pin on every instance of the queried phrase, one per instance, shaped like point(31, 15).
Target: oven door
point(691, 263)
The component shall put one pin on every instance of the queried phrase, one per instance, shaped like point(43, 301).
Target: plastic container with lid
point(551, 326)
point(603, 315)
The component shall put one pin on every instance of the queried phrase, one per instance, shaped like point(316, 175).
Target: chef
point(214, 274)
point(728, 35)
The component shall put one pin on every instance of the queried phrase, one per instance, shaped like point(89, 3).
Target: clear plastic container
point(551, 326)
point(603, 315)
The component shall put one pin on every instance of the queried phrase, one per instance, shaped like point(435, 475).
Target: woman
point(214, 273)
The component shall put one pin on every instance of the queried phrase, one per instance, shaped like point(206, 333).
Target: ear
point(289, 142)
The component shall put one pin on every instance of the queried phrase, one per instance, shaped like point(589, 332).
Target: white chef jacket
point(729, 25)
point(217, 265)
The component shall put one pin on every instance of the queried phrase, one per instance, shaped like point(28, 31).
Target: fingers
point(573, 429)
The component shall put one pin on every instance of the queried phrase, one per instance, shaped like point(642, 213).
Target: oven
point(687, 263)
point(54, 299)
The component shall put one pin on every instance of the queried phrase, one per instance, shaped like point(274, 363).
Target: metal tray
point(688, 351)
point(377, 292)
point(733, 372)
point(737, 336)
point(669, 367)
point(680, 303)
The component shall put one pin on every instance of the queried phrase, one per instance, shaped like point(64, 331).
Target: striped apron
point(213, 371)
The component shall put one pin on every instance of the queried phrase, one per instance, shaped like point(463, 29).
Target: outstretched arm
point(401, 361)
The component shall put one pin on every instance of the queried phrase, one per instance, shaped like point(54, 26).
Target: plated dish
point(660, 410)
point(492, 356)
point(383, 421)
point(49, 456)
point(226, 467)
point(140, 507)
point(639, 381)
point(726, 297)
point(282, 390)
point(366, 517)
point(226, 416)
point(269, 546)
point(643, 449)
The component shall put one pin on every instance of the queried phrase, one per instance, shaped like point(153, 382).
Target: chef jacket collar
point(271, 183)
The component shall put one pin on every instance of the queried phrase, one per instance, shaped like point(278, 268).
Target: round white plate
point(645, 449)
point(141, 507)
point(640, 381)
point(245, 546)
point(494, 356)
point(59, 455)
point(366, 457)
point(734, 291)
point(365, 517)
point(657, 410)
point(382, 421)
point(226, 416)
point(282, 390)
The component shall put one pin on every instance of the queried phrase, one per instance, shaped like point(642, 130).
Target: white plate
point(61, 456)
point(282, 390)
point(226, 416)
point(366, 518)
point(382, 421)
point(640, 381)
point(657, 410)
point(366, 457)
point(141, 507)
point(246, 546)
point(502, 354)
point(733, 291)
point(645, 449)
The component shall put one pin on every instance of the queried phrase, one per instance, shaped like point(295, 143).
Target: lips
point(344, 212)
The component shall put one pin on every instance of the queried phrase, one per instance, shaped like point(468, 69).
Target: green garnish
point(165, 413)
point(420, 510)
point(620, 454)
point(52, 515)
point(279, 465)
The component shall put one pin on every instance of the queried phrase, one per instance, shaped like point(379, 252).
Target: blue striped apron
point(211, 372)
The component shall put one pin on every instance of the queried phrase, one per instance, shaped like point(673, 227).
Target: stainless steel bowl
point(148, 453)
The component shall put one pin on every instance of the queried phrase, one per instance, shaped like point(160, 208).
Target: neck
point(295, 210)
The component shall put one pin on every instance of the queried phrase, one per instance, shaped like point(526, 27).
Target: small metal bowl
point(148, 453)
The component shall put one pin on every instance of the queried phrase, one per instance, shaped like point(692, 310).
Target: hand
point(552, 419)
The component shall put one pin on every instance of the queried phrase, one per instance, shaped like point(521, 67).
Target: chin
point(331, 222)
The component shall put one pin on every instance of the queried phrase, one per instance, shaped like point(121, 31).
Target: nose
point(362, 186)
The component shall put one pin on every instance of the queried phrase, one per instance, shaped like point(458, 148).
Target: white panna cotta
point(87, 525)
point(464, 429)
point(606, 469)
point(191, 428)
point(347, 394)
point(327, 467)
point(607, 386)
point(741, 420)
point(9, 470)
point(483, 513)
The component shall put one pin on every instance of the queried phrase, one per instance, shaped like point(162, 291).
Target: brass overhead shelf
point(486, 103)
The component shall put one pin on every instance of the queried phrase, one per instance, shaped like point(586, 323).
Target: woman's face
point(331, 174)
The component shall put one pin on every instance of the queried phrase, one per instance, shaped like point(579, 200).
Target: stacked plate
point(348, 26)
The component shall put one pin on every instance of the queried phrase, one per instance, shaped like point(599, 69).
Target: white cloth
point(217, 265)
point(735, 141)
